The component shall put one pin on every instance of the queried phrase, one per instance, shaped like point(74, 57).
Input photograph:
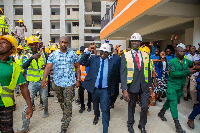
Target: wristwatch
point(78, 80)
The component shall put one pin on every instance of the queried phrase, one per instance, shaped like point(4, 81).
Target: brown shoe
point(190, 123)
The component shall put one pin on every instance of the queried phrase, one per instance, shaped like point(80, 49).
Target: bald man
point(62, 61)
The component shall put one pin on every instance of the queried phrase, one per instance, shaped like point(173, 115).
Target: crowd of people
point(144, 77)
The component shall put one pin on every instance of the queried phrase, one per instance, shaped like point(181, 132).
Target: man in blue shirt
point(62, 61)
point(100, 82)
point(156, 55)
point(169, 54)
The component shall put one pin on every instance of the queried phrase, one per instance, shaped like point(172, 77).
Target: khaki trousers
point(193, 89)
point(186, 89)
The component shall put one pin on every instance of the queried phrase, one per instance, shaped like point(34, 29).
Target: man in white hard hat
point(136, 72)
point(179, 68)
point(38, 35)
point(100, 81)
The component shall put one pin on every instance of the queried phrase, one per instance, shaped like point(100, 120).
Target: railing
point(109, 15)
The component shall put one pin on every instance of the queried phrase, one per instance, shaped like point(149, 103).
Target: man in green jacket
point(179, 69)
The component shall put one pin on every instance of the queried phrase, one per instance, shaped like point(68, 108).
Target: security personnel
point(35, 64)
point(178, 71)
point(136, 72)
point(10, 76)
point(38, 35)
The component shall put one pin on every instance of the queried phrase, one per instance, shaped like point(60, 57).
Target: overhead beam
point(167, 23)
point(177, 10)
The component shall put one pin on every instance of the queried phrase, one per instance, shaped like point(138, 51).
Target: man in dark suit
point(117, 61)
point(136, 70)
point(100, 81)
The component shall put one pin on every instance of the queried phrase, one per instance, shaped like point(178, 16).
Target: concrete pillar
point(196, 33)
point(27, 15)
point(8, 11)
point(81, 22)
point(103, 12)
point(45, 21)
point(189, 36)
point(62, 17)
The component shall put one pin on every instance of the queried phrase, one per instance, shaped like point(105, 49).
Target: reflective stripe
point(83, 72)
point(32, 69)
point(7, 90)
point(146, 68)
point(33, 75)
point(129, 69)
point(7, 95)
point(82, 76)
point(129, 78)
point(146, 78)
point(44, 59)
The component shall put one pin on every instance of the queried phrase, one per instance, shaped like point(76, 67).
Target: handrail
point(109, 15)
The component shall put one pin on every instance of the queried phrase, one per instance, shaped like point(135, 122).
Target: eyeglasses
point(104, 51)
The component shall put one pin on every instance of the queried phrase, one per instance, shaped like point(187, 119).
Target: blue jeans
point(196, 110)
point(34, 87)
point(102, 96)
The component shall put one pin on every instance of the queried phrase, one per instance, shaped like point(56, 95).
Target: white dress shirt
point(194, 58)
point(139, 55)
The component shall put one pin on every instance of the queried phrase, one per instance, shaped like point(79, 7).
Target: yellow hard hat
point(26, 38)
point(1, 10)
point(124, 50)
point(49, 40)
point(78, 52)
point(12, 40)
point(20, 21)
point(32, 39)
point(52, 49)
point(146, 49)
point(20, 47)
point(47, 50)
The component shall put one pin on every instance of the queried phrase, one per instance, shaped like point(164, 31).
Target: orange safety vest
point(83, 73)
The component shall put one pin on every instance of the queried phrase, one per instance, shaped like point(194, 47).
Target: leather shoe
point(89, 109)
point(142, 129)
point(95, 121)
point(63, 131)
point(130, 129)
point(81, 110)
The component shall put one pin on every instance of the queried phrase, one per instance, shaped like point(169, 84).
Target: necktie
point(137, 60)
point(101, 74)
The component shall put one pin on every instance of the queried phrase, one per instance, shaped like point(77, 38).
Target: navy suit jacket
point(117, 61)
point(90, 79)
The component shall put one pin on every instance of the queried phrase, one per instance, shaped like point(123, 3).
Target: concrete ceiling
point(195, 2)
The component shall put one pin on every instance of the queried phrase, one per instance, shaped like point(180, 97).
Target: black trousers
point(114, 97)
point(6, 119)
point(144, 104)
point(81, 95)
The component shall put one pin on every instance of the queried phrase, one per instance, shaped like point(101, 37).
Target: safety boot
point(178, 126)
point(161, 114)
point(25, 126)
point(45, 111)
point(190, 123)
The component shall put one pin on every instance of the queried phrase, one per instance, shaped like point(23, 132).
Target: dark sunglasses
point(104, 51)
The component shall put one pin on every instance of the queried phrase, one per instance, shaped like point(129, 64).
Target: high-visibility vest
point(38, 37)
point(18, 59)
point(83, 73)
point(3, 24)
point(130, 66)
point(34, 72)
point(6, 92)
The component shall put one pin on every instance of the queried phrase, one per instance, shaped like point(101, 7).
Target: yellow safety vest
point(6, 92)
point(130, 66)
point(38, 37)
point(34, 72)
point(83, 72)
point(3, 24)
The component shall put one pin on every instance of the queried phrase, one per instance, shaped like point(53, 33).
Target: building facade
point(79, 20)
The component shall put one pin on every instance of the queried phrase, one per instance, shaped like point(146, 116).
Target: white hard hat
point(105, 47)
point(181, 45)
point(86, 49)
point(37, 32)
point(136, 36)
